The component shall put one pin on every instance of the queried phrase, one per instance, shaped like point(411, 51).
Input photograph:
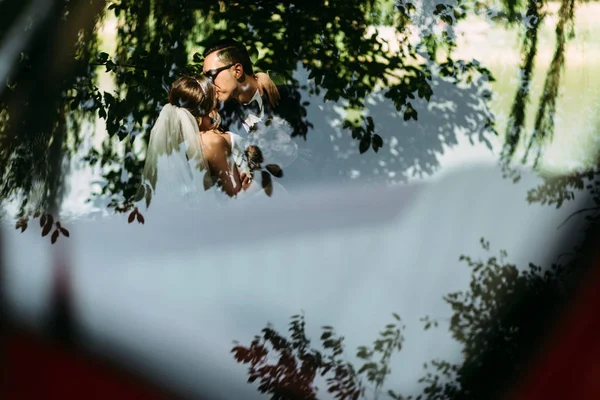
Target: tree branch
point(576, 213)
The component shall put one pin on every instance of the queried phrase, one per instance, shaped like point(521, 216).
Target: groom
point(228, 65)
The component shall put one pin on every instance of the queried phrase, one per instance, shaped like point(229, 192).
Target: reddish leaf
point(140, 218)
point(54, 236)
point(43, 221)
point(22, 223)
point(50, 219)
point(64, 231)
point(58, 224)
point(275, 170)
point(131, 216)
point(267, 183)
point(47, 228)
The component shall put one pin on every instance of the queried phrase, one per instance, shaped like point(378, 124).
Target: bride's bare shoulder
point(214, 141)
point(227, 136)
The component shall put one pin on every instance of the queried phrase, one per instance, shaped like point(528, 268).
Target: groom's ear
point(238, 70)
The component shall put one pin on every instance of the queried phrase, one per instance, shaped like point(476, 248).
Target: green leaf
point(370, 124)
point(410, 112)
point(109, 98)
point(367, 367)
point(364, 144)
point(331, 95)
point(102, 57)
point(110, 66)
point(377, 142)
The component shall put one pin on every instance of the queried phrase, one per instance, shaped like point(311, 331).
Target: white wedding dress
point(238, 146)
point(176, 169)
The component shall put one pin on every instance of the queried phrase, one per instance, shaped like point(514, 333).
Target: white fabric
point(237, 153)
point(176, 166)
point(277, 147)
point(251, 118)
point(274, 140)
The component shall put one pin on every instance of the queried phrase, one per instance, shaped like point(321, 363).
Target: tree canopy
point(53, 96)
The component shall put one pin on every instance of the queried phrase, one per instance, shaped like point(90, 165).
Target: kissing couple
point(192, 146)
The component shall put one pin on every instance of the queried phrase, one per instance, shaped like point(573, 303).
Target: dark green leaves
point(365, 143)
point(102, 57)
point(364, 133)
point(410, 112)
point(110, 66)
point(377, 142)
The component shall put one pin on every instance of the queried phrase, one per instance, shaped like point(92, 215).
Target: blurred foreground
point(167, 299)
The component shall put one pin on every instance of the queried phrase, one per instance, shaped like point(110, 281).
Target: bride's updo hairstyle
point(194, 93)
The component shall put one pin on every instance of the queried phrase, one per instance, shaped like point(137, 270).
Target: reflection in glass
point(368, 94)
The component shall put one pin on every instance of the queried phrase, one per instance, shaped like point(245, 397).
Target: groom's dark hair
point(231, 51)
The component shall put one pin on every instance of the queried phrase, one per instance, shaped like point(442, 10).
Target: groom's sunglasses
point(212, 73)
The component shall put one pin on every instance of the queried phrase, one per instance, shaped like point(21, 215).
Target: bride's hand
point(246, 181)
point(265, 83)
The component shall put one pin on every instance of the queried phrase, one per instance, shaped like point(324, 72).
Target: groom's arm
point(267, 87)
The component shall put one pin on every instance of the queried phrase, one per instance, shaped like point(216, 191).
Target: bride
point(187, 154)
